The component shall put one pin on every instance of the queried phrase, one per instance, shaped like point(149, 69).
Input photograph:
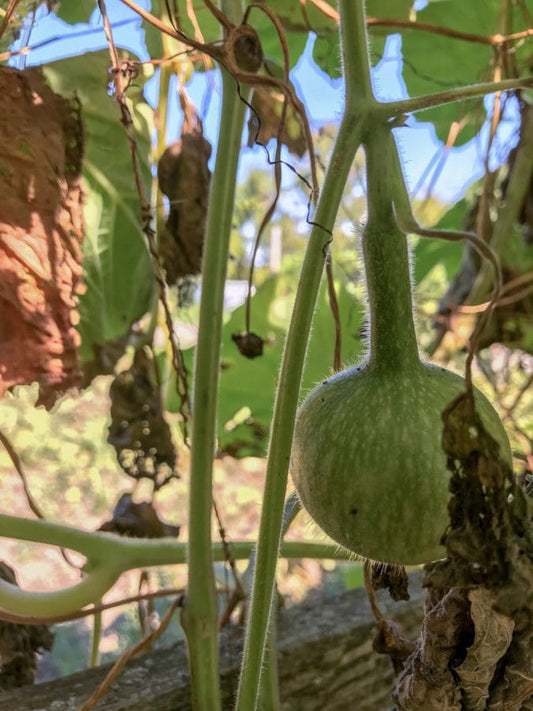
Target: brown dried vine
point(121, 662)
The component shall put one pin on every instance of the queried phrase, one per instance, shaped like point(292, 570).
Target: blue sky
point(322, 96)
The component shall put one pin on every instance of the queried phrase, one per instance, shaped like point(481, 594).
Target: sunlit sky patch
point(322, 96)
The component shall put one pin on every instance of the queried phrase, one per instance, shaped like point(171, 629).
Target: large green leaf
point(327, 51)
point(247, 387)
point(117, 269)
point(435, 62)
point(74, 12)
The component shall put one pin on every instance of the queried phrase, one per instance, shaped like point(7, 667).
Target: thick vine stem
point(200, 613)
point(359, 103)
point(108, 556)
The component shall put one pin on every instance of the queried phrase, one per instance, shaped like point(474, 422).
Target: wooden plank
point(326, 663)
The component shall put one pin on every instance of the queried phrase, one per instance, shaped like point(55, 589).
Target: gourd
point(367, 459)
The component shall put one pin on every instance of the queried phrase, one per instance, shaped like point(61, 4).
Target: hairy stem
point(359, 100)
point(429, 101)
point(386, 257)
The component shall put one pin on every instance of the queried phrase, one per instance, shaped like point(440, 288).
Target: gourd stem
point(386, 258)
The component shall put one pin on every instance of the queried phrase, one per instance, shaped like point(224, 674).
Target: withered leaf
point(249, 344)
point(138, 429)
point(41, 230)
point(184, 178)
point(20, 644)
point(493, 633)
point(392, 577)
point(138, 520)
point(264, 123)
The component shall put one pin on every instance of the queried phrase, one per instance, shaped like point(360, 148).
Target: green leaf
point(435, 63)
point(116, 268)
point(247, 387)
point(302, 17)
point(75, 11)
point(327, 52)
point(326, 55)
point(430, 252)
point(390, 9)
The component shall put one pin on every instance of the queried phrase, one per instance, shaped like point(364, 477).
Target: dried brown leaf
point(138, 429)
point(41, 230)
point(138, 520)
point(427, 682)
point(264, 124)
point(184, 178)
point(19, 645)
point(493, 633)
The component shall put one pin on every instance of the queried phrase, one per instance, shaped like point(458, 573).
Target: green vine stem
point(429, 101)
point(108, 556)
point(200, 613)
point(269, 696)
point(359, 103)
point(96, 636)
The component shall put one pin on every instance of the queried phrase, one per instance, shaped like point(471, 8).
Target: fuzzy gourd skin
point(367, 459)
point(368, 463)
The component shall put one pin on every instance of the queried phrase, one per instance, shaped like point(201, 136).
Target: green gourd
point(367, 459)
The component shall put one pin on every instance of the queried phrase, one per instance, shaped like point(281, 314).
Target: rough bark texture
point(326, 663)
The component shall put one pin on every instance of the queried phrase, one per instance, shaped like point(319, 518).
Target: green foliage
point(117, 266)
point(247, 387)
point(74, 12)
point(436, 62)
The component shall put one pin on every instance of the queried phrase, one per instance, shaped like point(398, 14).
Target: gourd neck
point(386, 259)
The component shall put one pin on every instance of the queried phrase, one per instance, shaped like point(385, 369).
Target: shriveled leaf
point(20, 645)
point(427, 681)
point(493, 633)
point(138, 429)
point(264, 125)
point(116, 264)
point(250, 345)
point(138, 520)
point(41, 232)
point(392, 577)
point(184, 178)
